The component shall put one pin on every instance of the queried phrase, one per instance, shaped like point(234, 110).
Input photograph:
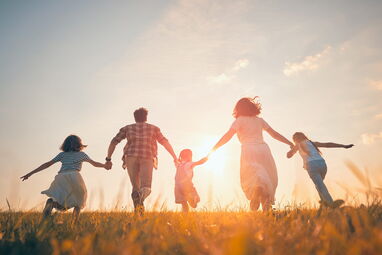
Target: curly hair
point(247, 107)
point(72, 143)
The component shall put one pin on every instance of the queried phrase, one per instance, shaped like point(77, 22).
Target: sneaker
point(138, 202)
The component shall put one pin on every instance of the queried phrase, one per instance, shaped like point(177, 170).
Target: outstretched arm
point(292, 151)
point(333, 145)
point(278, 136)
point(38, 169)
point(225, 138)
point(201, 161)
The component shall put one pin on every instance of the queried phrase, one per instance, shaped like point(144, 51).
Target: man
point(140, 154)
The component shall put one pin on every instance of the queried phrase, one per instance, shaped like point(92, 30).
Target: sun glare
point(217, 160)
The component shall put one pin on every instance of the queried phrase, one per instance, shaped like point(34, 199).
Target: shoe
point(337, 203)
point(139, 208)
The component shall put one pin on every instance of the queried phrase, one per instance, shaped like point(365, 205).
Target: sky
point(82, 68)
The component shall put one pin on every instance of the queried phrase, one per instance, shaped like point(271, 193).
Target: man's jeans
point(317, 170)
point(140, 172)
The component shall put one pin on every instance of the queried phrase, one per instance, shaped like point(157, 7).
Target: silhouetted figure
point(140, 155)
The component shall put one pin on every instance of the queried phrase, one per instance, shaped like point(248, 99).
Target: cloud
point(242, 63)
point(376, 84)
point(370, 138)
point(230, 74)
point(309, 63)
point(378, 116)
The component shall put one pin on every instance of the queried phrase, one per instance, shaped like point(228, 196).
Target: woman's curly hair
point(247, 106)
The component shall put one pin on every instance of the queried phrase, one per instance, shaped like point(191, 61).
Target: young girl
point(185, 192)
point(68, 189)
point(315, 164)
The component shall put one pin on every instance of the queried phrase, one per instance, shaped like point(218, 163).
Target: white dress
point(68, 188)
point(257, 166)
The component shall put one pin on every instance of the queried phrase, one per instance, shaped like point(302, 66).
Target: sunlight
point(217, 160)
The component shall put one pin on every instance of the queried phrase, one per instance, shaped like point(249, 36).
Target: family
point(258, 172)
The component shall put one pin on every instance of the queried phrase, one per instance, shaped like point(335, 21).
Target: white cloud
point(309, 63)
point(222, 78)
point(370, 138)
point(241, 63)
point(376, 84)
point(230, 74)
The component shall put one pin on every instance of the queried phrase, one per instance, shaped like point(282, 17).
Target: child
point(68, 189)
point(185, 192)
point(315, 164)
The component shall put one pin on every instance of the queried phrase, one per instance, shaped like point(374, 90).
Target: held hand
point(289, 154)
point(25, 177)
point(348, 146)
point(108, 165)
point(176, 162)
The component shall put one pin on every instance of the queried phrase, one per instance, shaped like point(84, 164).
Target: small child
point(68, 189)
point(185, 192)
point(315, 164)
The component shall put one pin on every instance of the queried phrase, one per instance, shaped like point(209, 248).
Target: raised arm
point(38, 169)
point(292, 151)
point(278, 136)
point(201, 161)
point(224, 139)
point(333, 145)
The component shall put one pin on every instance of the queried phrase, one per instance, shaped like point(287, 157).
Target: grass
point(293, 230)
point(347, 230)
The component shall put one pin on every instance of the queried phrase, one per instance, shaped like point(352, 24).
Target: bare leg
point(255, 201)
point(76, 214)
point(48, 208)
point(266, 204)
point(254, 204)
point(185, 207)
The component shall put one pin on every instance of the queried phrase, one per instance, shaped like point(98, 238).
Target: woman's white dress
point(257, 166)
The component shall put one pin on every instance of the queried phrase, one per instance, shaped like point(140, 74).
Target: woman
point(258, 173)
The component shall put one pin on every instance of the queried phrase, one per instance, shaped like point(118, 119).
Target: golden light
point(217, 159)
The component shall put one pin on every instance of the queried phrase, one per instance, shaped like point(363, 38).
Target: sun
point(217, 160)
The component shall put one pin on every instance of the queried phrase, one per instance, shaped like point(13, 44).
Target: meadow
point(347, 230)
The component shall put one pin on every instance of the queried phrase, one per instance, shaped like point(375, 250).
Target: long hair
point(72, 143)
point(184, 154)
point(300, 136)
point(247, 106)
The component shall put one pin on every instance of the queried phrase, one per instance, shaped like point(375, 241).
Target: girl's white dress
point(68, 188)
point(257, 166)
point(184, 188)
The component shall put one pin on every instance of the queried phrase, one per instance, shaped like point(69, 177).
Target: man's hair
point(140, 115)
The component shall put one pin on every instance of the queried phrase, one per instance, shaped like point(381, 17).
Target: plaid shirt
point(141, 138)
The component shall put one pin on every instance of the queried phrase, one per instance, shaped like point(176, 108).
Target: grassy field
point(347, 230)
